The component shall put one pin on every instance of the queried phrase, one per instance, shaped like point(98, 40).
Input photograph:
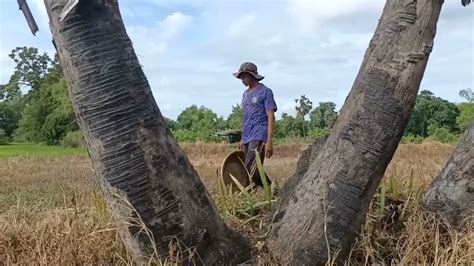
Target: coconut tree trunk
point(322, 208)
point(452, 193)
point(132, 151)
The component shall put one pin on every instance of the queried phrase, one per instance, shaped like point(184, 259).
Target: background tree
point(323, 116)
point(44, 113)
point(47, 116)
point(466, 115)
point(467, 94)
point(221, 123)
point(466, 109)
point(431, 113)
point(11, 105)
point(198, 122)
point(197, 118)
point(303, 107)
point(234, 121)
point(32, 119)
point(285, 127)
point(31, 66)
point(60, 119)
point(3, 138)
point(9, 117)
point(11, 91)
point(170, 123)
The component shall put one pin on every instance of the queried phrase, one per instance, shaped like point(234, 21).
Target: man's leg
point(248, 159)
point(251, 163)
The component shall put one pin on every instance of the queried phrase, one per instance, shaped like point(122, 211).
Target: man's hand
point(271, 129)
point(241, 145)
point(269, 149)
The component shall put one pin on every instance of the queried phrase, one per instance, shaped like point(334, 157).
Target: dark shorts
point(250, 162)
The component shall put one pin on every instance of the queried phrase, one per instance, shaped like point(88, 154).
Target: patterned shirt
point(256, 104)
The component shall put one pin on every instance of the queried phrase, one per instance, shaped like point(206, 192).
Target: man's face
point(246, 79)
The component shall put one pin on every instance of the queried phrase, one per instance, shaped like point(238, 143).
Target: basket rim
point(226, 159)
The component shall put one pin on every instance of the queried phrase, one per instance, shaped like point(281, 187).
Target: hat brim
point(256, 76)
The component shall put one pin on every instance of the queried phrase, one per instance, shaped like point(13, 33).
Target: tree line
point(44, 114)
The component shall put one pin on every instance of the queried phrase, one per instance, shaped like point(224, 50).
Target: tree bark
point(322, 209)
point(452, 193)
point(132, 151)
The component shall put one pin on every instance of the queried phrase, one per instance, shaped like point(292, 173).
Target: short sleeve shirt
point(256, 104)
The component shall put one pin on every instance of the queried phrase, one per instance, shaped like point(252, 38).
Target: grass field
point(38, 150)
point(50, 212)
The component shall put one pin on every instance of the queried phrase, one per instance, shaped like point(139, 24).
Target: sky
point(190, 48)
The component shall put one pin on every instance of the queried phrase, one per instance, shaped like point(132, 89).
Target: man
point(258, 125)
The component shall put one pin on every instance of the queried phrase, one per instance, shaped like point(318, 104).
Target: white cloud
point(173, 25)
point(309, 15)
point(286, 106)
point(242, 25)
point(273, 40)
point(153, 41)
point(168, 29)
point(14, 32)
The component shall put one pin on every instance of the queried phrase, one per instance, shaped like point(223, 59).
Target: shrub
point(443, 135)
point(319, 132)
point(412, 139)
point(74, 139)
point(184, 135)
point(3, 137)
point(189, 136)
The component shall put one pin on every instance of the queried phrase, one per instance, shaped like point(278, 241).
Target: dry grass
point(58, 237)
point(49, 213)
point(423, 161)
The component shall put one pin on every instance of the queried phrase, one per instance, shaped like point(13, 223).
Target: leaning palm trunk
point(452, 193)
point(323, 206)
point(132, 151)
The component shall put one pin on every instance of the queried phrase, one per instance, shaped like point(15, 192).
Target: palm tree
point(322, 208)
point(452, 193)
point(132, 150)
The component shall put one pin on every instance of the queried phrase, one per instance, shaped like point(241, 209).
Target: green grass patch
point(38, 150)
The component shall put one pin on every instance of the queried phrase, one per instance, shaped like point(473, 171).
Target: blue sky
point(189, 48)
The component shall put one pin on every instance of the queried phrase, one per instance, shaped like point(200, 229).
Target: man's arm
point(271, 131)
point(241, 144)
